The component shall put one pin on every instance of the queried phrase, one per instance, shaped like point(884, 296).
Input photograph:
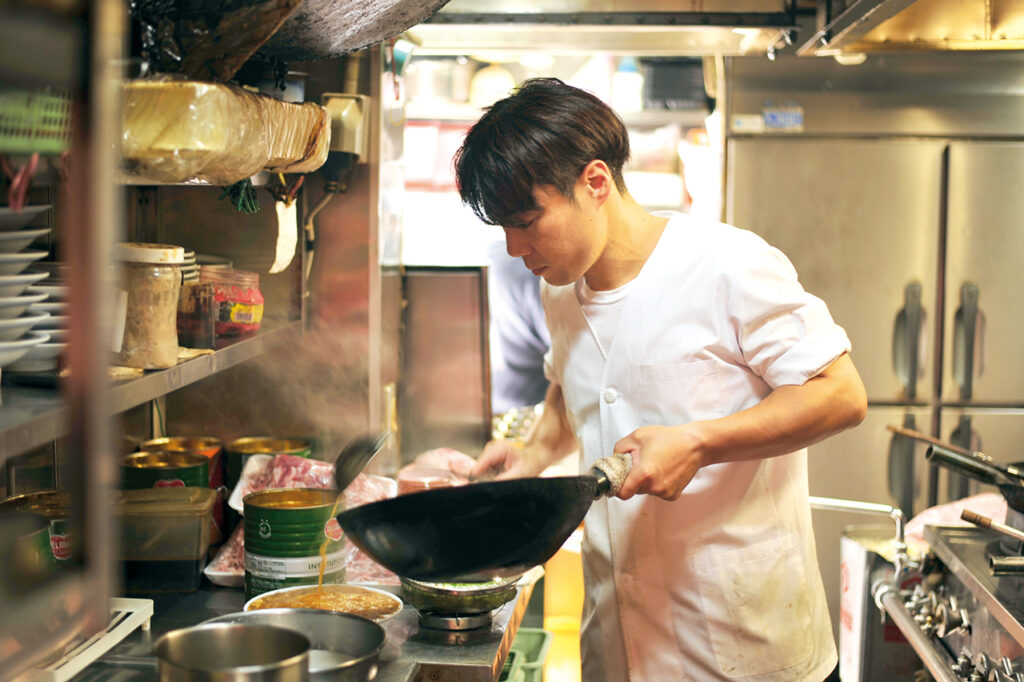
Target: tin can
point(164, 470)
point(239, 451)
point(288, 534)
point(211, 448)
point(55, 507)
point(24, 543)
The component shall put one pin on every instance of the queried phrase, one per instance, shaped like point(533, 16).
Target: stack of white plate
point(210, 260)
point(54, 303)
point(189, 269)
point(19, 319)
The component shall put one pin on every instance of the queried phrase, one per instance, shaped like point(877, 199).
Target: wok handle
point(611, 473)
point(965, 464)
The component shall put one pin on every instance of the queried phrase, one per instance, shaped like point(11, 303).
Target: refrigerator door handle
point(902, 485)
point(968, 325)
point(906, 340)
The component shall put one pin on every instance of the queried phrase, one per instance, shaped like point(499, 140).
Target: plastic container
point(533, 645)
point(512, 671)
point(165, 534)
point(238, 301)
point(151, 280)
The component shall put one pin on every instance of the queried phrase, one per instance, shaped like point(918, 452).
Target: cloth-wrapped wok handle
point(611, 473)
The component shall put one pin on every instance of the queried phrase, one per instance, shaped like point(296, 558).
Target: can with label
point(164, 470)
point(209, 447)
point(239, 451)
point(213, 450)
point(288, 534)
point(55, 506)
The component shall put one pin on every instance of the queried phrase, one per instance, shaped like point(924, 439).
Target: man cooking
point(692, 346)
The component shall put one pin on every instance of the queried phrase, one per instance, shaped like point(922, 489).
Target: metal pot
point(343, 647)
point(232, 652)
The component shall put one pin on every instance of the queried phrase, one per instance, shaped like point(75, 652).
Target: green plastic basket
point(512, 670)
point(533, 644)
point(33, 122)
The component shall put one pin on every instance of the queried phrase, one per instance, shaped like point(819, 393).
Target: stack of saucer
point(54, 303)
point(189, 268)
point(19, 321)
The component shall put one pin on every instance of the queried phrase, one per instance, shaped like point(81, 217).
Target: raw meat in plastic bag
point(459, 463)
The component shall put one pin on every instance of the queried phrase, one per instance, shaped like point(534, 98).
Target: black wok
point(480, 531)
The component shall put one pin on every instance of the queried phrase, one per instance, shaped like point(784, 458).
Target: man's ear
point(596, 180)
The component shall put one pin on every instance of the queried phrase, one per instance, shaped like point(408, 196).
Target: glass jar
point(238, 301)
point(150, 276)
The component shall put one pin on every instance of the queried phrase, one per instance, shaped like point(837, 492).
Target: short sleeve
point(785, 334)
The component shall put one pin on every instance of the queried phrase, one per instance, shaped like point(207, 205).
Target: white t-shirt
point(602, 310)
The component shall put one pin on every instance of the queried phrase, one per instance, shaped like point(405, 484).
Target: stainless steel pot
point(232, 652)
point(343, 647)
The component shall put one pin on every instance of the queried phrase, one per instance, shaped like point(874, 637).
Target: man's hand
point(503, 459)
point(665, 460)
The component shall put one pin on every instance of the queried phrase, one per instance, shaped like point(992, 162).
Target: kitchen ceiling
point(636, 27)
point(916, 26)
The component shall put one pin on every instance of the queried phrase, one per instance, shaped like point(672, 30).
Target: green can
point(55, 506)
point(25, 544)
point(164, 470)
point(285, 534)
point(239, 450)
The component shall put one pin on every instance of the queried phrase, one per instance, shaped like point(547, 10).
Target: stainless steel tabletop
point(411, 652)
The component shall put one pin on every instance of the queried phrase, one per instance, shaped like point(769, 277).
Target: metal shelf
point(30, 417)
point(459, 112)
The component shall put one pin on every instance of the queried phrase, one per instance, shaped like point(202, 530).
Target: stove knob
point(963, 666)
point(948, 620)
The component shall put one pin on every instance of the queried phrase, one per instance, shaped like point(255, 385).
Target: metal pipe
point(902, 559)
point(888, 595)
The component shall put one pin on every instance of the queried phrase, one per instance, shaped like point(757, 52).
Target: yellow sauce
point(323, 545)
point(340, 598)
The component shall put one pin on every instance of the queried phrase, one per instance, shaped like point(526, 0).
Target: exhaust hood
point(635, 27)
point(909, 26)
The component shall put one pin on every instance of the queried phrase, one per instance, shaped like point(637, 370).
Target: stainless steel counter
point(411, 653)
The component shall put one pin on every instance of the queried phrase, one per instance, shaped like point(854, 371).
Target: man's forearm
point(789, 418)
point(551, 437)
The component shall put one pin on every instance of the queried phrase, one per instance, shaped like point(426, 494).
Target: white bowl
point(39, 358)
point(13, 306)
point(54, 292)
point(16, 240)
point(51, 322)
point(56, 335)
point(15, 328)
point(397, 601)
point(53, 307)
point(9, 220)
point(12, 285)
point(12, 351)
point(15, 263)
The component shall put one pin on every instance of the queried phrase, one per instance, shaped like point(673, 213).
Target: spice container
point(238, 302)
point(151, 280)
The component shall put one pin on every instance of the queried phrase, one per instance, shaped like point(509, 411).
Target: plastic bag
point(175, 130)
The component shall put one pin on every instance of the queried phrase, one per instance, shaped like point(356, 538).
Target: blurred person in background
point(692, 346)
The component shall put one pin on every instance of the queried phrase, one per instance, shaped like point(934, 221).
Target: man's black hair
point(542, 135)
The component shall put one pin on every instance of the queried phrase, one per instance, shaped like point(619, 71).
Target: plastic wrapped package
point(174, 130)
point(262, 472)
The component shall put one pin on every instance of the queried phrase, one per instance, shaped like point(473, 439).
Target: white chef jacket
point(723, 583)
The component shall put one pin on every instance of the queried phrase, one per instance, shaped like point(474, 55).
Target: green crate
point(512, 670)
point(33, 122)
point(533, 644)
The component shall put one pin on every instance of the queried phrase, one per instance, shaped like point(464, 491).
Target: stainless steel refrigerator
point(897, 190)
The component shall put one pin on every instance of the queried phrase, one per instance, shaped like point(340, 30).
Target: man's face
point(561, 240)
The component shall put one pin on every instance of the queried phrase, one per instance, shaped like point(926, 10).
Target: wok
point(481, 531)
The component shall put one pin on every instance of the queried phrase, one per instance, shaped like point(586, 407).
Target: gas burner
point(456, 622)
